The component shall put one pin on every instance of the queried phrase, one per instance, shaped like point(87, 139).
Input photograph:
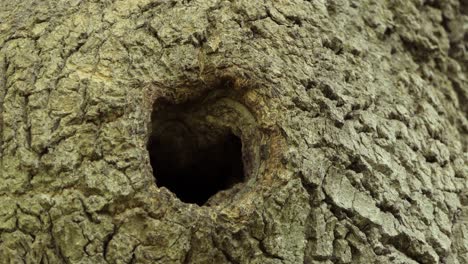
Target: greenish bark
point(352, 117)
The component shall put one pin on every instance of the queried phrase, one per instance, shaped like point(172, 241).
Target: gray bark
point(352, 117)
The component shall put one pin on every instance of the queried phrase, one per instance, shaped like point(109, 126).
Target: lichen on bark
point(356, 132)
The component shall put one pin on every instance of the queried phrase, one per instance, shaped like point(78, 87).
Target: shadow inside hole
point(192, 171)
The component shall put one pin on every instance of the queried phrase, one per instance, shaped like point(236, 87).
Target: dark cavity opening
point(192, 159)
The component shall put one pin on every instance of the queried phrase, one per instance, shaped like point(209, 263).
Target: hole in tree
point(191, 158)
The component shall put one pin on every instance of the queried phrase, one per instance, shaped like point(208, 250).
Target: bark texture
point(352, 117)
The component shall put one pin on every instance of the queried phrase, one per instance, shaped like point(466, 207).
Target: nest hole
point(193, 158)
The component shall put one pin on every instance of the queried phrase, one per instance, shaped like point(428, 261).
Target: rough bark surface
point(352, 115)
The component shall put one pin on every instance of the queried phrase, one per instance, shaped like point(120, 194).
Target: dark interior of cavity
point(193, 162)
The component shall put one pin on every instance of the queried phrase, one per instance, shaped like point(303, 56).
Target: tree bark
point(352, 117)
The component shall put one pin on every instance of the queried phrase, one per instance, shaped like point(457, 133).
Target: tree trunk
point(210, 131)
